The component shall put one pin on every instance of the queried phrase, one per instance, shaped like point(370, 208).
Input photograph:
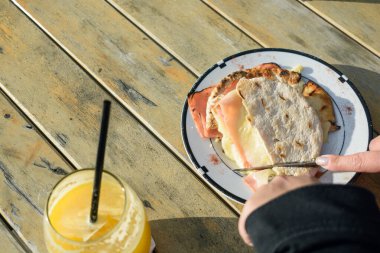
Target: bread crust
point(322, 104)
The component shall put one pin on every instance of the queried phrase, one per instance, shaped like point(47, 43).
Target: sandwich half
point(287, 126)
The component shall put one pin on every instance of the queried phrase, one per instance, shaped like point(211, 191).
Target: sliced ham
point(197, 103)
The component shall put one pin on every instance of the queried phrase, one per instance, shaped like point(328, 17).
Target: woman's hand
point(361, 162)
point(279, 186)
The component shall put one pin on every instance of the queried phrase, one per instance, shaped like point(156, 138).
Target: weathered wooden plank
point(123, 59)
point(50, 21)
point(148, 80)
point(356, 62)
point(28, 170)
point(189, 30)
point(142, 76)
point(67, 102)
point(8, 242)
point(288, 24)
point(358, 19)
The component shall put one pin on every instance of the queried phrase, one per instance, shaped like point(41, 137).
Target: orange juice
point(122, 225)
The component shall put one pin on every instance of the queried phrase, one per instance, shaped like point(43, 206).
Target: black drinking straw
point(100, 161)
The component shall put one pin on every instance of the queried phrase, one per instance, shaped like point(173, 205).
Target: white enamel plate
point(351, 113)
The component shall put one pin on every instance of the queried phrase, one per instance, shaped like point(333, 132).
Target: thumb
point(374, 145)
point(360, 162)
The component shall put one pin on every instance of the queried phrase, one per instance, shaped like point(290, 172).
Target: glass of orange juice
point(122, 225)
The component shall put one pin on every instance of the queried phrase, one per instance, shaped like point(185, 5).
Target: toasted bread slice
point(287, 124)
point(226, 85)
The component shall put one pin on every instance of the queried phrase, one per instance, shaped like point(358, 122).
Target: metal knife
point(287, 164)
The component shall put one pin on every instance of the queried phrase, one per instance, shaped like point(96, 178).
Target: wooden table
point(60, 59)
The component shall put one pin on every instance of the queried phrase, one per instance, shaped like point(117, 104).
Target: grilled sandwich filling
point(240, 141)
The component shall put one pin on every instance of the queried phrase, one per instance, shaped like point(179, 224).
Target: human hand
point(360, 162)
point(277, 187)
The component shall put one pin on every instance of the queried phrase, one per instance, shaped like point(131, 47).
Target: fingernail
point(250, 243)
point(322, 160)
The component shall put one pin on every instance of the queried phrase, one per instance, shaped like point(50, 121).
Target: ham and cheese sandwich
point(265, 115)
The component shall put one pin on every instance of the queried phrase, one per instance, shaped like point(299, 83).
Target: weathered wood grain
point(288, 24)
point(278, 36)
point(8, 243)
point(337, 48)
point(125, 60)
point(189, 30)
point(67, 102)
point(142, 76)
point(29, 168)
point(146, 79)
point(358, 19)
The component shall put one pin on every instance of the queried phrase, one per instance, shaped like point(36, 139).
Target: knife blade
point(287, 164)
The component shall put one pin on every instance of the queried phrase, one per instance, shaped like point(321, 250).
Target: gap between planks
point(339, 27)
point(14, 235)
point(38, 127)
point(236, 25)
point(155, 134)
point(153, 37)
point(309, 7)
point(230, 20)
point(128, 108)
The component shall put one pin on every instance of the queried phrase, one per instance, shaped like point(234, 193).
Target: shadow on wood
point(199, 229)
point(367, 82)
point(358, 1)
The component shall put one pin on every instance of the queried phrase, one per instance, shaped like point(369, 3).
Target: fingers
point(360, 162)
point(248, 208)
point(243, 232)
point(250, 182)
point(374, 145)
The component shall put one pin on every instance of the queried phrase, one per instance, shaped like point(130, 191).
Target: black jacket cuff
point(316, 217)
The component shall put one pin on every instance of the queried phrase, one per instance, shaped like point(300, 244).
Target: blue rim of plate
point(200, 79)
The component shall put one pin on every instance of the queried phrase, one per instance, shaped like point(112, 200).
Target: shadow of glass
point(203, 234)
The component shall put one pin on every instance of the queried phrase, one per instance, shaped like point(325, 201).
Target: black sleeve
point(316, 219)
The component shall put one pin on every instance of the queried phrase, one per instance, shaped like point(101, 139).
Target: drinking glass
point(122, 224)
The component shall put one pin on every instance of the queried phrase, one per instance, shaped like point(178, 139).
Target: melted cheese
point(298, 68)
point(241, 141)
